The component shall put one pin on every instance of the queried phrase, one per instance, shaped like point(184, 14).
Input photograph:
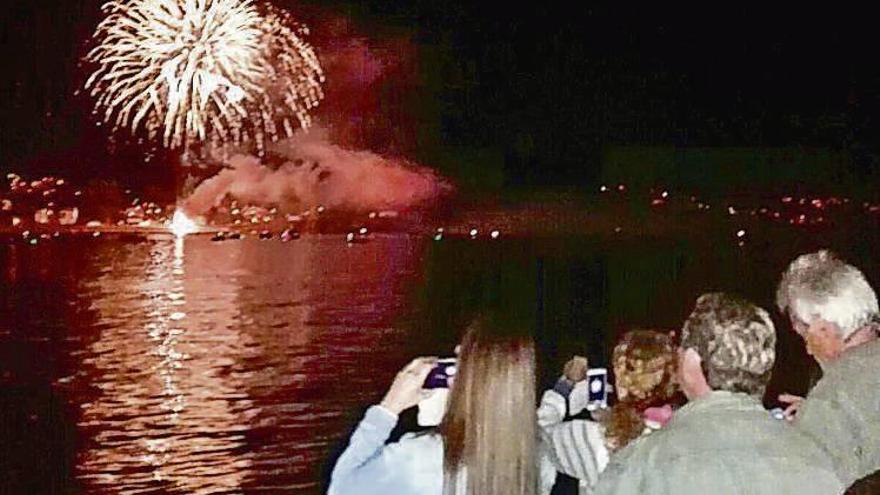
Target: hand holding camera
point(407, 390)
point(583, 387)
point(442, 375)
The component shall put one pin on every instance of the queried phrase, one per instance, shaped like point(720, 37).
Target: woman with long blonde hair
point(487, 443)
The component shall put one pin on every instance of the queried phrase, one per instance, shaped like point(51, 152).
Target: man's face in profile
point(821, 338)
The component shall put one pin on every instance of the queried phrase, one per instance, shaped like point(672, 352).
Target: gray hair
point(821, 285)
point(736, 341)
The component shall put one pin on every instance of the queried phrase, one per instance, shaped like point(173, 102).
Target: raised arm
point(368, 465)
point(576, 448)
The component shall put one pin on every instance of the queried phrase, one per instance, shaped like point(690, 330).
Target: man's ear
point(695, 383)
point(692, 360)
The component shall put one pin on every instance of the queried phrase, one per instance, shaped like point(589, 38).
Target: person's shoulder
point(635, 466)
point(675, 451)
point(864, 357)
point(648, 449)
point(857, 356)
point(425, 440)
point(859, 365)
point(709, 431)
point(420, 454)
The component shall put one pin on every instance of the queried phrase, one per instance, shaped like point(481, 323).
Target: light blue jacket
point(414, 465)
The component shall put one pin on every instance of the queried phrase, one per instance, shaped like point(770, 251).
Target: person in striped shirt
point(644, 367)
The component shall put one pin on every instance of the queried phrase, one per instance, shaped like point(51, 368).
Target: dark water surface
point(163, 366)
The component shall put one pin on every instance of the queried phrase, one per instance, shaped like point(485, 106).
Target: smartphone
point(597, 388)
point(440, 375)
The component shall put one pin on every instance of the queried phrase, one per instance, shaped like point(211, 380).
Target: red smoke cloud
point(307, 171)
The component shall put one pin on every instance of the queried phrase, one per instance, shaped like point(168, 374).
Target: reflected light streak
point(209, 365)
point(168, 418)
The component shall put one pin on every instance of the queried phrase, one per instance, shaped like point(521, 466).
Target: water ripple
point(203, 368)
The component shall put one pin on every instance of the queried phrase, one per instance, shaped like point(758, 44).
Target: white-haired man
point(834, 309)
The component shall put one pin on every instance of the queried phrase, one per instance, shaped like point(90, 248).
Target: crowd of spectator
point(688, 418)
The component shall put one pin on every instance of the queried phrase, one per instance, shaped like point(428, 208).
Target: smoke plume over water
point(307, 171)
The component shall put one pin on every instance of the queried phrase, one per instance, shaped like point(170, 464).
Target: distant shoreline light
point(182, 225)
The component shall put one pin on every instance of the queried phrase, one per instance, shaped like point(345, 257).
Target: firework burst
point(292, 78)
point(203, 70)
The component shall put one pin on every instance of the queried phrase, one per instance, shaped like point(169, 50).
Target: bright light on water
point(181, 225)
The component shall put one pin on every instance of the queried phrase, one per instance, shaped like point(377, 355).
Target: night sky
point(548, 82)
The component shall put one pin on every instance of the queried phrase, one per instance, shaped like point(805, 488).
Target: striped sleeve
point(577, 448)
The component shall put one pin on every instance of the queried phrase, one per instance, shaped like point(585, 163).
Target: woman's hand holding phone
point(406, 390)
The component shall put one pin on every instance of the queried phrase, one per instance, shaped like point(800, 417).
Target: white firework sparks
point(292, 86)
point(202, 70)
